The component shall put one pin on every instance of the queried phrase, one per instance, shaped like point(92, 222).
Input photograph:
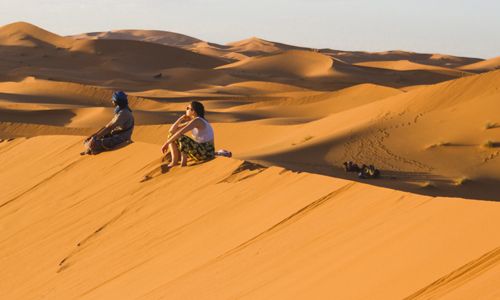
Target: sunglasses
point(189, 108)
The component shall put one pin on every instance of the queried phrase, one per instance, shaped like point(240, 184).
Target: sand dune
point(37, 101)
point(164, 38)
point(80, 117)
point(319, 104)
point(290, 63)
point(90, 61)
point(279, 220)
point(10, 130)
point(227, 247)
point(34, 90)
point(138, 66)
point(255, 46)
point(57, 94)
point(185, 79)
point(143, 55)
point(417, 137)
point(152, 36)
point(314, 70)
point(210, 49)
point(270, 91)
point(483, 66)
point(406, 65)
point(239, 50)
point(249, 88)
point(430, 121)
point(236, 50)
point(448, 61)
point(27, 35)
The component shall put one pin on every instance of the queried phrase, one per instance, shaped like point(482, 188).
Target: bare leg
point(175, 154)
point(91, 144)
point(183, 159)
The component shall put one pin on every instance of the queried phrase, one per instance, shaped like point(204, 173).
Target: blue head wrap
point(121, 100)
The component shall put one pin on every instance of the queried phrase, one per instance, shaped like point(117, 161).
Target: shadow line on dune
point(39, 99)
point(412, 182)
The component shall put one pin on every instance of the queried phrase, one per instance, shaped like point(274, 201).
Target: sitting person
point(117, 132)
point(198, 148)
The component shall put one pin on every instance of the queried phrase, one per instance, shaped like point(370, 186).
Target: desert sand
point(278, 220)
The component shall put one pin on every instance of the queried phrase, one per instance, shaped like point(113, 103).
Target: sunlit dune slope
point(294, 62)
point(483, 66)
point(52, 93)
point(406, 65)
point(449, 129)
point(232, 229)
point(27, 35)
point(443, 60)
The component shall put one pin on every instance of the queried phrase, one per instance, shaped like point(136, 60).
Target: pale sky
point(458, 27)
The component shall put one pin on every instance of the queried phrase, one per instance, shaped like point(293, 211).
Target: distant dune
point(31, 51)
point(27, 35)
point(248, 47)
point(153, 36)
point(441, 60)
point(483, 66)
point(406, 65)
point(281, 219)
point(290, 63)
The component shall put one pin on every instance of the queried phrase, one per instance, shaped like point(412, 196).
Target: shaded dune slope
point(152, 36)
point(407, 135)
point(31, 51)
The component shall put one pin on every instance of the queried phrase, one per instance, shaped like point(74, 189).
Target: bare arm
point(189, 126)
point(178, 124)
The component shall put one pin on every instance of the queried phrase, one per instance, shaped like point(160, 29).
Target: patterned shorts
point(194, 150)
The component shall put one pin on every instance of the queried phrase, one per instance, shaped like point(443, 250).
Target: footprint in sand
point(158, 170)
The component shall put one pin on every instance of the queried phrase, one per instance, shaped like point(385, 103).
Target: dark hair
point(198, 108)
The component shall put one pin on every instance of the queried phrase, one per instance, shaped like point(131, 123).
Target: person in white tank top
point(203, 135)
point(200, 147)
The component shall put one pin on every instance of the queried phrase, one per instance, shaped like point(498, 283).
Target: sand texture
point(280, 219)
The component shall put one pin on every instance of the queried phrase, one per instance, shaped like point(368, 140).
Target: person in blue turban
point(117, 132)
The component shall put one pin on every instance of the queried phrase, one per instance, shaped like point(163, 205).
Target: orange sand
point(279, 220)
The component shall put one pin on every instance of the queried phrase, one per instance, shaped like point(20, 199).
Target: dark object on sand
point(159, 75)
point(86, 152)
point(368, 172)
point(349, 166)
point(364, 172)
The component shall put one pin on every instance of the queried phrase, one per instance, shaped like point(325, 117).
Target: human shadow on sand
point(160, 166)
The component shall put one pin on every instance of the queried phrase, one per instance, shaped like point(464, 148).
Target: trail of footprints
point(373, 149)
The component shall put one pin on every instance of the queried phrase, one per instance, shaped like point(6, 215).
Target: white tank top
point(204, 135)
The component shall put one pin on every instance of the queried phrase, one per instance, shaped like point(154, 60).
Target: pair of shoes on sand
point(364, 172)
point(223, 152)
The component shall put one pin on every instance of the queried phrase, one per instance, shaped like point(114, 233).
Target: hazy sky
point(460, 27)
